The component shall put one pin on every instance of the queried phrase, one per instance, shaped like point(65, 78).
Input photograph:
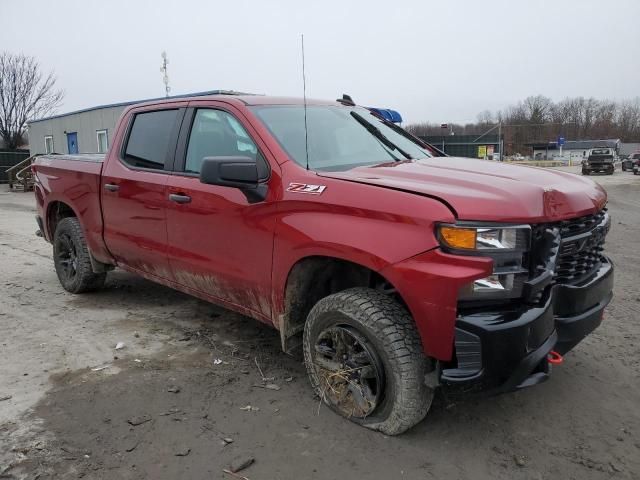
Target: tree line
point(538, 119)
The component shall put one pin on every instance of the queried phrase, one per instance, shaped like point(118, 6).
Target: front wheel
point(365, 361)
point(71, 258)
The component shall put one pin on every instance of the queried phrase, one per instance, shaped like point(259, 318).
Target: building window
point(48, 144)
point(103, 141)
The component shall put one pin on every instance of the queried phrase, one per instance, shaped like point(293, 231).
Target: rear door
point(134, 197)
point(221, 241)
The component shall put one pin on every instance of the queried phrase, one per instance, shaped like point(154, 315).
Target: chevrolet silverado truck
point(394, 269)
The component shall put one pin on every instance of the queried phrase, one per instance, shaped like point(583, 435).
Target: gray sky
point(440, 61)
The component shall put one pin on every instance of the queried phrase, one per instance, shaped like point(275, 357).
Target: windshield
point(339, 138)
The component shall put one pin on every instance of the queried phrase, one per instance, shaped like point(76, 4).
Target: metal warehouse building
point(85, 131)
point(472, 146)
point(572, 150)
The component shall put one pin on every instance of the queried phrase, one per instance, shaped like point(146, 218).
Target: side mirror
point(238, 172)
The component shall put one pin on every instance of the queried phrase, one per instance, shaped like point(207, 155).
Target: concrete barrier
point(539, 163)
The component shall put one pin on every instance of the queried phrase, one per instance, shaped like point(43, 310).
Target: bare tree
point(537, 109)
point(25, 93)
point(629, 120)
point(486, 118)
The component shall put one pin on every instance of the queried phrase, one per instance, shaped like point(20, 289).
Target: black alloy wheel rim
point(67, 257)
point(350, 373)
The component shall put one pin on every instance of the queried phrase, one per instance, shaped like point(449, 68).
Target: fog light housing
point(494, 283)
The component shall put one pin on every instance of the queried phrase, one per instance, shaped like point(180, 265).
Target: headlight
point(484, 238)
point(507, 245)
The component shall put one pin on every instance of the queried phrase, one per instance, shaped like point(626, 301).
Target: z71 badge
point(306, 188)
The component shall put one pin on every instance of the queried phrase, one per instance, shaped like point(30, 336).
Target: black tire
point(71, 258)
point(585, 172)
point(388, 331)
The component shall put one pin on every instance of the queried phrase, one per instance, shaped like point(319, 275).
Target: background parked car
point(629, 162)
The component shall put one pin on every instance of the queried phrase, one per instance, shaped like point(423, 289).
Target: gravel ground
point(184, 398)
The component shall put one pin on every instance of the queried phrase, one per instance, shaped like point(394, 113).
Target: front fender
point(371, 238)
point(429, 284)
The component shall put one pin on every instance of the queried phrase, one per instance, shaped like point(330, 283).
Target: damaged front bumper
point(504, 350)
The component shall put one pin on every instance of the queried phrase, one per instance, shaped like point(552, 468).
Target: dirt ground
point(184, 397)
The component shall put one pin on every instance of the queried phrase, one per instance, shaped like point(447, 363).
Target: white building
point(573, 151)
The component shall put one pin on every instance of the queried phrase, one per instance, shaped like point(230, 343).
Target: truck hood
point(487, 190)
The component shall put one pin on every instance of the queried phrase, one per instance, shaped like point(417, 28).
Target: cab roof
point(255, 100)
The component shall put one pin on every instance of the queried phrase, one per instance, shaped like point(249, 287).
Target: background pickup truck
point(599, 160)
point(396, 270)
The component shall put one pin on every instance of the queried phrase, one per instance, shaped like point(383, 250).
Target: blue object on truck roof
point(387, 114)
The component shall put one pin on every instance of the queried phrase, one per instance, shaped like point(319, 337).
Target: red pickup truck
point(396, 269)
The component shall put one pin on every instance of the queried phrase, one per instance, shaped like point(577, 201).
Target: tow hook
point(554, 358)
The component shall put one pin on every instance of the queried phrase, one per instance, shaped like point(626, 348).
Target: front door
point(220, 242)
point(72, 142)
point(134, 196)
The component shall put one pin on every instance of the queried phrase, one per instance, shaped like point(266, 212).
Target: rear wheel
point(71, 258)
point(585, 172)
point(365, 361)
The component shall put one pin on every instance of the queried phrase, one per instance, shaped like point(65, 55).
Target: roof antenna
point(304, 100)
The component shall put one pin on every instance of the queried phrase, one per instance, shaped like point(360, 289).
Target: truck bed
point(75, 181)
point(77, 157)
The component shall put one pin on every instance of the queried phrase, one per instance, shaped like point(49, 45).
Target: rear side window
point(149, 139)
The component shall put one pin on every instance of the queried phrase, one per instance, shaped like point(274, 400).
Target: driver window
point(215, 133)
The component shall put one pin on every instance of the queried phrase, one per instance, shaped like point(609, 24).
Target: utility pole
point(163, 70)
point(443, 126)
point(500, 140)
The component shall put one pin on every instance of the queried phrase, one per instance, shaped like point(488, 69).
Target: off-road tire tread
point(89, 281)
point(391, 324)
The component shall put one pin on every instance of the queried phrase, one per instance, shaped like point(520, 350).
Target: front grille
point(576, 226)
point(581, 246)
point(572, 268)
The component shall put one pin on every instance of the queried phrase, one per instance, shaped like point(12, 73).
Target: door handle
point(179, 198)
point(112, 187)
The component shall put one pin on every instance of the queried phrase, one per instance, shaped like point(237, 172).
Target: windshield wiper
point(411, 137)
point(373, 130)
